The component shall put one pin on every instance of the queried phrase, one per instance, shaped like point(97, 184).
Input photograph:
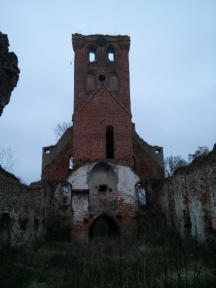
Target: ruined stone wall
point(9, 72)
point(144, 164)
point(30, 213)
point(55, 158)
point(20, 212)
point(103, 189)
point(189, 198)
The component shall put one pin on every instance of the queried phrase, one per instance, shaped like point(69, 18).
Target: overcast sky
point(172, 71)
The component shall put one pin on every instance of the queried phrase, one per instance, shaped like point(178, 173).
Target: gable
point(102, 104)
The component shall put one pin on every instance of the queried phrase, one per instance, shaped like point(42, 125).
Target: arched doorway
point(103, 227)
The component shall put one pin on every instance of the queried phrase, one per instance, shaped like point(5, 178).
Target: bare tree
point(61, 128)
point(202, 150)
point(172, 163)
point(7, 160)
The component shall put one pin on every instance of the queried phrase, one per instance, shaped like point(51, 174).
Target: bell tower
point(102, 114)
point(101, 60)
point(102, 130)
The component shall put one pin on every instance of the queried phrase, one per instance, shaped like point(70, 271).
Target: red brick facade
point(89, 130)
point(101, 66)
point(102, 100)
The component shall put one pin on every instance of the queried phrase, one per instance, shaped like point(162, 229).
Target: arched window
point(109, 142)
point(110, 55)
point(70, 164)
point(65, 194)
point(91, 54)
point(113, 82)
point(90, 81)
point(141, 193)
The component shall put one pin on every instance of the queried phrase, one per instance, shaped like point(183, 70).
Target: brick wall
point(89, 130)
point(189, 198)
point(121, 46)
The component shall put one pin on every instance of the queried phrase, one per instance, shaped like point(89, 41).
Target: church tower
point(101, 157)
point(102, 126)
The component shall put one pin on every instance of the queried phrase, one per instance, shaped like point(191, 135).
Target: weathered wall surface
point(29, 213)
point(20, 212)
point(55, 158)
point(9, 72)
point(148, 160)
point(89, 128)
point(103, 189)
point(189, 198)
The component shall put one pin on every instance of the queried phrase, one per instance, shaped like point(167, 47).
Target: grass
point(167, 262)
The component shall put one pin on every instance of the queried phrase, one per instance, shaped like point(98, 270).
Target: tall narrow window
point(109, 142)
point(110, 55)
point(91, 54)
point(70, 166)
point(141, 192)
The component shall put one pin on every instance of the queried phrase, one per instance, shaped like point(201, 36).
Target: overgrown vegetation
point(172, 163)
point(157, 258)
point(60, 129)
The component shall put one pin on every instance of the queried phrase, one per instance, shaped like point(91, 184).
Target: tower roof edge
point(94, 37)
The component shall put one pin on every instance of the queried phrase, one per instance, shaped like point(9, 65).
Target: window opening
point(91, 55)
point(65, 194)
point(102, 188)
point(109, 142)
point(110, 55)
point(4, 227)
point(101, 77)
point(70, 167)
point(65, 191)
point(23, 224)
point(36, 224)
point(141, 195)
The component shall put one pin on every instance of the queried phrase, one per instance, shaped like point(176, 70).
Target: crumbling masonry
point(9, 72)
point(101, 173)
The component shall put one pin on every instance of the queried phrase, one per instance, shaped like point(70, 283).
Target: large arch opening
point(102, 183)
point(103, 227)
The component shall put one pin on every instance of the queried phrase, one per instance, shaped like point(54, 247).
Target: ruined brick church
point(101, 176)
point(101, 155)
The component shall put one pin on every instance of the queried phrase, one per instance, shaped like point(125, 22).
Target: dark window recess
point(36, 224)
point(102, 188)
point(23, 224)
point(102, 77)
point(109, 142)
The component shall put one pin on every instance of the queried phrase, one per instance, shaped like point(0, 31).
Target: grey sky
point(172, 71)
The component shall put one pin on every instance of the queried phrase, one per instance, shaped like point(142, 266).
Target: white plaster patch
point(195, 210)
point(79, 206)
point(126, 190)
point(126, 184)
